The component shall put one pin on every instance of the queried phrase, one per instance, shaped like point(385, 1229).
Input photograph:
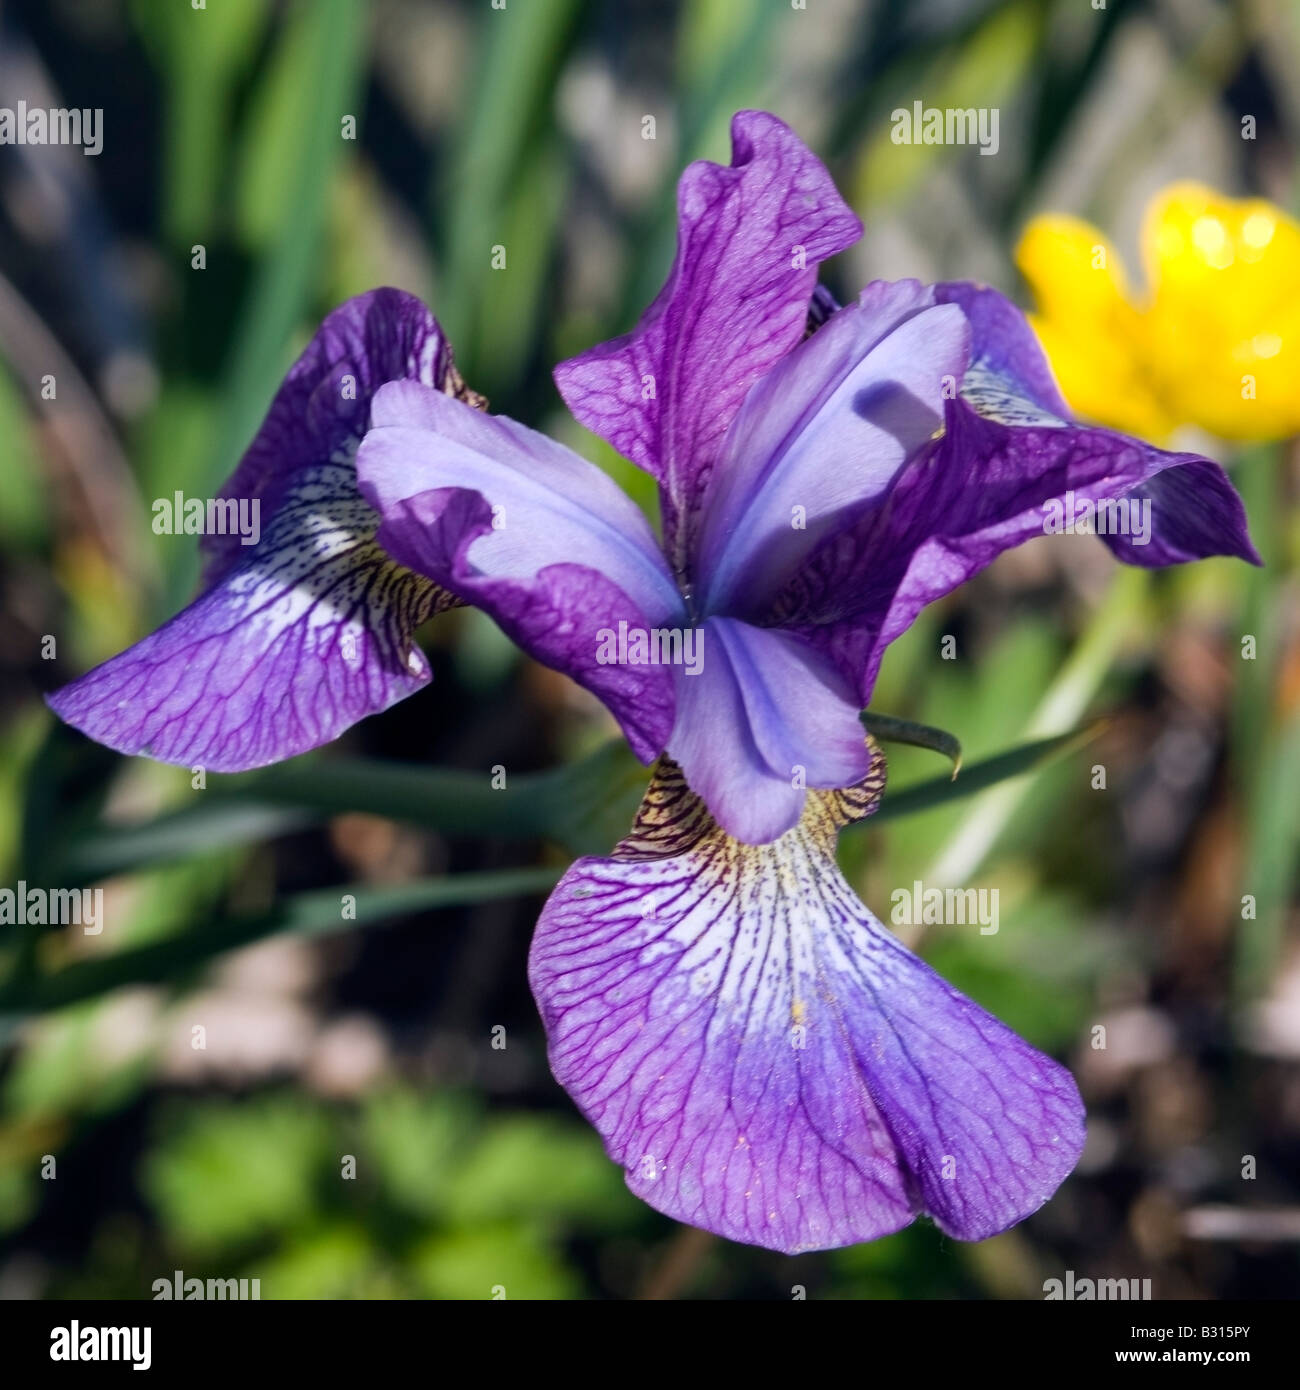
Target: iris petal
point(766, 1060)
point(766, 716)
point(541, 540)
point(749, 239)
point(826, 430)
point(1005, 460)
point(549, 504)
point(309, 630)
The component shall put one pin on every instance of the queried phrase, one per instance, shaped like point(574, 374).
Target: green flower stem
point(1061, 708)
point(1266, 746)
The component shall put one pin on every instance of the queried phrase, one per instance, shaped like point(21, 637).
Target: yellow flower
point(1215, 340)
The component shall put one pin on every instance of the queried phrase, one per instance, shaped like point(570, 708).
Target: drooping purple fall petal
point(1195, 510)
point(1195, 513)
point(749, 239)
point(540, 539)
point(300, 635)
point(766, 1060)
point(987, 485)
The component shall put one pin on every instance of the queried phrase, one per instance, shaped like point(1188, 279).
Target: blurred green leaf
point(489, 193)
point(215, 823)
point(1035, 972)
point(20, 743)
point(724, 43)
point(414, 1141)
point(86, 1061)
point(511, 301)
point(24, 517)
point(338, 1262)
point(1272, 864)
point(18, 1196)
point(280, 111)
point(332, 35)
point(1267, 748)
point(534, 1167)
point(307, 914)
point(230, 1173)
point(1261, 475)
point(200, 54)
point(505, 1261)
point(914, 1263)
point(985, 71)
point(1117, 618)
point(586, 806)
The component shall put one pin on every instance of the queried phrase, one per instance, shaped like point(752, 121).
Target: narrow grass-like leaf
point(1272, 865)
point(215, 823)
point(1016, 762)
point(889, 729)
point(309, 914)
point(522, 50)
point(1116, 619)
point(584, 807)
point(334, 43)
point(1267, 749)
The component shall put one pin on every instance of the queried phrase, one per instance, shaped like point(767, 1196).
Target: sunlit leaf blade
point(1267, 750)
point(200, 68)
point(1260, 479)
point(723, 43)
point(332, 35)
point(1120, 615)
point(308, 914)
point(523, 49)
point(989, 68)
point(1272, 863)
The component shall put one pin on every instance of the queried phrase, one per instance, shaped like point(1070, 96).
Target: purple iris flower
point(761, 1055)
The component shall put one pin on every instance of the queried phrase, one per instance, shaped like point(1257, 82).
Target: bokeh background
point(407, 1039)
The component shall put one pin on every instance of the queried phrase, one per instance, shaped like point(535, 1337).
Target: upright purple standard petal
point(823, 433)
point(749, 239)
point(540, 539)
point(310, 629)
point(766, 1060)
point(1005, 464)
